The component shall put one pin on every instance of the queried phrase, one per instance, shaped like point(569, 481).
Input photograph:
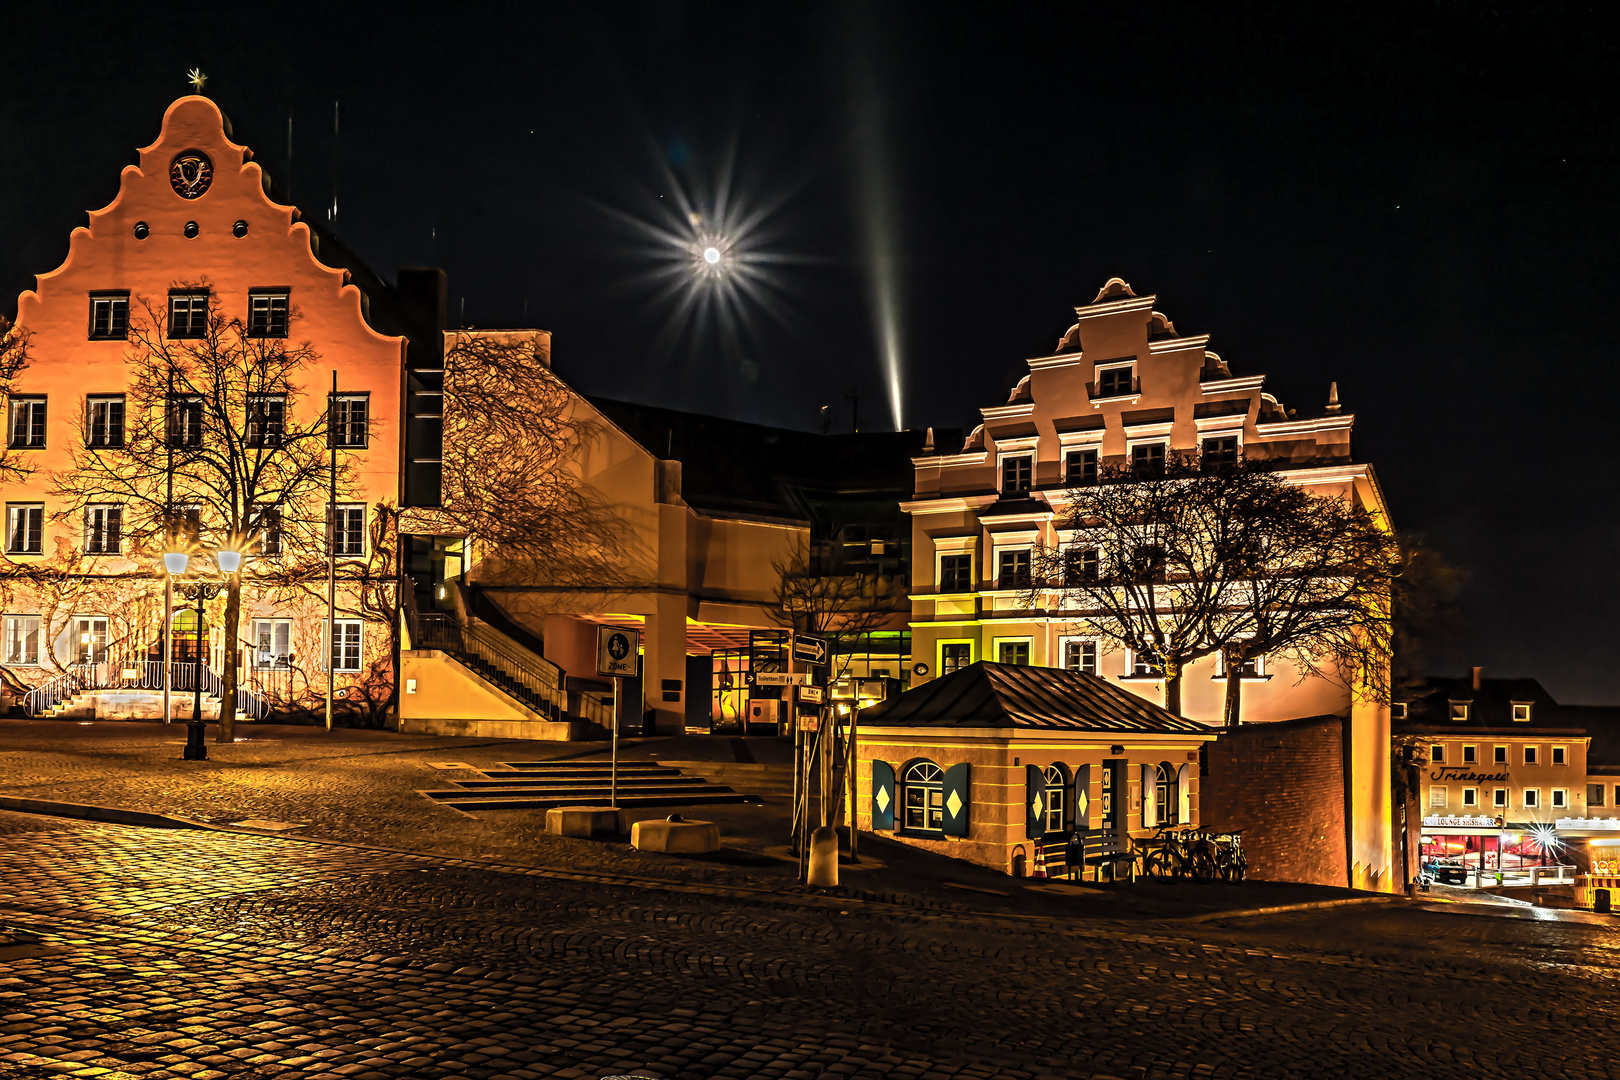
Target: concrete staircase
point(538, 785)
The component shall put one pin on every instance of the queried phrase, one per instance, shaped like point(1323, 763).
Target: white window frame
point(1532, 798)
point(16, 512)
point(258, 430)
point(1397, 710)
point(105, 403)
point(1559, 752)
point(92, 529)
point(1027, 642)
point(256, 523)
point(331, 541)
point(1470, 754)
point(1499, 798)
point(344, 626)
point(348, 425)
point(1228, 433)
point(1437, 753)
point(939, 653)
point(1057, 797)
point(268, 297)
point(932, 805)
point(98, 628)
point(1532, 753)
point(277, 661)
point(1438, 794)
point(113, 303)
point(1470, 798)
point(1131, 386)
point(1131, 446)
point(1004, 456)
point(1560, 798)
point(1500, 753)
point(23, 405)
point(1260, 673)
point(1452, 711)
point(20, 632)
point(1096, 462)
point(1011, 549)
point(1076, 639)
point(1130, 669)
point(1521, 712)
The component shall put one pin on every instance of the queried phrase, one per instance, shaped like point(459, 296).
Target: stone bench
point(588, 822)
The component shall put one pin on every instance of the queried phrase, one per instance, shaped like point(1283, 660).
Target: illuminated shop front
point(1489, 845)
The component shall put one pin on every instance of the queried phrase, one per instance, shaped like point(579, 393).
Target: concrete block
point(584, 821)
point(675, 836)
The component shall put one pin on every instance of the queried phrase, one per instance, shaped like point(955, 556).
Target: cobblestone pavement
point(158, 954)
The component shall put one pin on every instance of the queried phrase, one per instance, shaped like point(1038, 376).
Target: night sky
point(1418, 201)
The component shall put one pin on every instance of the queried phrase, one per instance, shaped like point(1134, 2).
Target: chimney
point(1333, 398)
point(1476, 678)
point(928, 445)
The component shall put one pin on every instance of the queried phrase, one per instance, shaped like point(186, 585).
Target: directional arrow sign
point(810, 650)
point(781, 678)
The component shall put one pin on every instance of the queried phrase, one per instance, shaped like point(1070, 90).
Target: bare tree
point(1144, 568)
point(514, 435)
point(219, 450)
point(1311, 582)
point(1197, 559)
point(813, 597)
point(14, 357)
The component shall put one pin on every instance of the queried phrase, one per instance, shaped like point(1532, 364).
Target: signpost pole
point(613, 773)
point(850, 769)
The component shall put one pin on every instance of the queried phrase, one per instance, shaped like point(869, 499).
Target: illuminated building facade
point(1123, 387)
point(1509, 779)
point(192, 235)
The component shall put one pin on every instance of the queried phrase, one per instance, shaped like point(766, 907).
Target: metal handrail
point(537, 675)
point(138, 675)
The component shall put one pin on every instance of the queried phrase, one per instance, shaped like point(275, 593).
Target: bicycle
point(1166, 854)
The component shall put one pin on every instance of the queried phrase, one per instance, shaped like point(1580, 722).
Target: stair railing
point(538, 676)
point(139, 675)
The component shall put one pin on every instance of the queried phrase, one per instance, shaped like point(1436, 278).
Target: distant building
point(1504, 768)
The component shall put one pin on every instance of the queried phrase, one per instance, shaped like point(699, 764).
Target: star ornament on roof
point(196, 78)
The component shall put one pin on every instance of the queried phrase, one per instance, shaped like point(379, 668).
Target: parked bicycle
point(1182, 851)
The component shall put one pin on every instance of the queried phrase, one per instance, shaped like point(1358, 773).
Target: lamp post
point(175, 563)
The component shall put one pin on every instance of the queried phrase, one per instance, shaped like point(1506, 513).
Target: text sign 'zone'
point(618, 651)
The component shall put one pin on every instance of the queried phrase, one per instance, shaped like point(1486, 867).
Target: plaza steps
point(539, 785)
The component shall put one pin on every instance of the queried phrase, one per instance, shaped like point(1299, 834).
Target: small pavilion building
point(1000, 764)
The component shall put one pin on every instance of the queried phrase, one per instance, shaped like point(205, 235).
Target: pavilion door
point(89, 639)
point(1113, 793)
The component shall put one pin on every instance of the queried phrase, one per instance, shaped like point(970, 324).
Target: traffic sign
point(809, 722)
point(618, 651)
point(782, 678)
point(811, 695)
point(810, 650)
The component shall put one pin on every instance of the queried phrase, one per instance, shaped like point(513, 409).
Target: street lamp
point(174, 563)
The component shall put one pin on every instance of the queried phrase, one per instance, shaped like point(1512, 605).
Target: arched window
point(922, 790)
point(1057, 798)
point(1165, 797)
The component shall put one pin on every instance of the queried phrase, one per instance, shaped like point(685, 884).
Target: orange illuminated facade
point(193, 228)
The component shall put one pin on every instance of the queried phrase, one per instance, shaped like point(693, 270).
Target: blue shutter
point(883, 795)
point(956, 800)
point(1034, 802)
point(1082, 798)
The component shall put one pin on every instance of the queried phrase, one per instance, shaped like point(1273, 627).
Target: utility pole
point(168, 544)
point(331, 552)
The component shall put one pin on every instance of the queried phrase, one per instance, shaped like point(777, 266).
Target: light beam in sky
point(879, 220)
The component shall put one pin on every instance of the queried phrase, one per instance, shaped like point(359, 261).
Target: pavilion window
point(922, 790)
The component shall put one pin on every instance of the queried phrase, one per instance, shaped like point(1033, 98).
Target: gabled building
point(1122, 387)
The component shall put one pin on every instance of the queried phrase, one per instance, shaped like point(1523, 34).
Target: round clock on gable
point(191, 173)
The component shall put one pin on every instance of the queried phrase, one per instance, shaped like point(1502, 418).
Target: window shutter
point(1184, 795)
point(956, 800)
point(1034, 802)
point(1150, 793)
point(882, 795)
point(1082, 798)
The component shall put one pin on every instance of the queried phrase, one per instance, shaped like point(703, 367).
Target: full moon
point(711, 255)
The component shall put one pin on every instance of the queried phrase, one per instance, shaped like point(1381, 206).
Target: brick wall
point(1283, 785)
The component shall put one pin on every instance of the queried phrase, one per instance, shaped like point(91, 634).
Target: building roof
point(1490, 706)
point(986, 695)
point(729, 467)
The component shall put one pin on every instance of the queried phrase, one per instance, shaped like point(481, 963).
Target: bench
point(1111, 847)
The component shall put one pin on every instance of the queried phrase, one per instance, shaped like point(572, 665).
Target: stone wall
point(1283, 785)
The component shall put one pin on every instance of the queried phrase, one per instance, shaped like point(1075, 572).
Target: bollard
point(824, 857)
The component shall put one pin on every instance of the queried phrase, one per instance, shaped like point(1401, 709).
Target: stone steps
point(545, 784)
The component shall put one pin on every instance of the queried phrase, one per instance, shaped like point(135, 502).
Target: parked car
point(1447, 872)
